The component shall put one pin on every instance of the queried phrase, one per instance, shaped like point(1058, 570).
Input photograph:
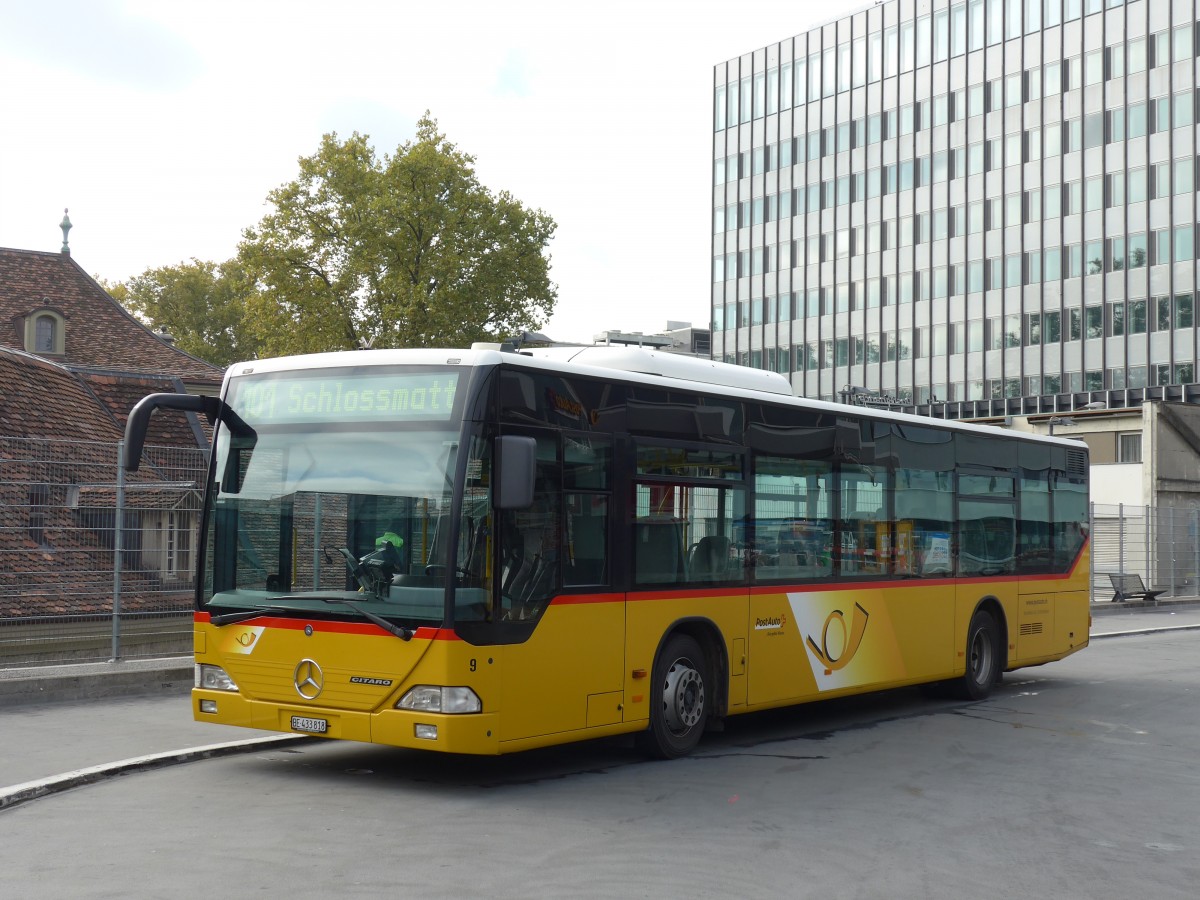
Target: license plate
point(312, 726)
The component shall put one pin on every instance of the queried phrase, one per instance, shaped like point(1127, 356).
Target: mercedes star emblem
point(308, 679)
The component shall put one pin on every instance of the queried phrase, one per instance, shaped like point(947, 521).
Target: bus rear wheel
point(679, 699)
point(983, 658)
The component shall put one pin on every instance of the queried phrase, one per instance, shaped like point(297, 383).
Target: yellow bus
point(483, 551)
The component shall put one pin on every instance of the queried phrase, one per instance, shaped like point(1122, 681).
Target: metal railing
point(1160, 544)
point(95, 566)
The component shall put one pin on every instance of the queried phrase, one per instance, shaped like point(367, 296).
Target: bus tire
point(983, 658)
point(679, 699)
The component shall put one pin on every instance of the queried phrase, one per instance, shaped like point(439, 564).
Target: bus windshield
point(319, 498)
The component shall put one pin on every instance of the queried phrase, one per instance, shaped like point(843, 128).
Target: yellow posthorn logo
point(243, 641)
point(851, 639)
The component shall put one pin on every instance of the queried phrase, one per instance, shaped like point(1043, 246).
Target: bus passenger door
point(565, 673)
point(987, 550)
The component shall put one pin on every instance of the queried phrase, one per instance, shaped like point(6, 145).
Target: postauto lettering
point(409, 397)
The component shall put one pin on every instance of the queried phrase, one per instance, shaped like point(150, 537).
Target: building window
point(39, 505)
point(1185, 247)
point(178, 540)
point(1129, 448)
point(45, 332)
point(1183, 311)
point(1052, 327)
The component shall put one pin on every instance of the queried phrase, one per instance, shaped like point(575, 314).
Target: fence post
point(1146, 542)
point(1092, 555)
point(1171, 544)
point(118, 542)
point(316, 549)
point(1120, 537)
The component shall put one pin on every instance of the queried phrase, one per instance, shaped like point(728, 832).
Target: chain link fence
point(1160, 544)
point(95, 566)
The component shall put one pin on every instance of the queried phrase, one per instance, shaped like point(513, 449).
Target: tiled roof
point(167, 428)
point(99, 333)
point(40, 399)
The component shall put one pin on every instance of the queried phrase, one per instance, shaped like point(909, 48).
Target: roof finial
point(65, 226)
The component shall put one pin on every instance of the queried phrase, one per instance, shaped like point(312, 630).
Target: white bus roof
point(637, 362)
point(644, 361)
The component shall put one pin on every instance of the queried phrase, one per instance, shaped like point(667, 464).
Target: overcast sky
point(163, 126)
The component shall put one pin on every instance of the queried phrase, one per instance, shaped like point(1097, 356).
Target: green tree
point(407, 251)
point(202, 304)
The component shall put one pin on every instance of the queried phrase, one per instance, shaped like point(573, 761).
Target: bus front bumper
point(475, 733)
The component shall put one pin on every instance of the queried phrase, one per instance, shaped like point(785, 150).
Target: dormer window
point(45, 332)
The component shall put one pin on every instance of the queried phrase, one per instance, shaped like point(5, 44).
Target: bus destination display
point(393, 397)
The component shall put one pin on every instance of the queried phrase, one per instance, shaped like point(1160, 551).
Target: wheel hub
point(683, 696)
point(981, 657)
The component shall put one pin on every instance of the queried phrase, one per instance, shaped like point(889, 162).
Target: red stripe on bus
point(576, 599)
point(706, 593)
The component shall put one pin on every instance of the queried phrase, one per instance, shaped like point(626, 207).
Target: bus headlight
point(214, 678)
point(433, 698)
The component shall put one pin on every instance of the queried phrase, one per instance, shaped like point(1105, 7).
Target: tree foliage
point(201, 304)
point(405, 251)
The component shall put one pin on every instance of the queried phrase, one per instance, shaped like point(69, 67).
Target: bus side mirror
point(139, 420)
point(516, 464)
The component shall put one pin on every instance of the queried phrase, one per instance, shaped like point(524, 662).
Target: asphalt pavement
point(64, 726)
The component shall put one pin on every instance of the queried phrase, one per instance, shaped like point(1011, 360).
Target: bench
point(1126, 587)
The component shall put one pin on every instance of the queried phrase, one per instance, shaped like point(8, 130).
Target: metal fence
point(1160, 544)
point(94, 565)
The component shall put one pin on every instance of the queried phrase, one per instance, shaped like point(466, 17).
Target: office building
point(977, 208)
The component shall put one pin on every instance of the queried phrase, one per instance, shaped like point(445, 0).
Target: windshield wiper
point(405, 634)
point(230, 618)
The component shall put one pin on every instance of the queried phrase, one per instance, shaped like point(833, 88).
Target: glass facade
point(978, 206)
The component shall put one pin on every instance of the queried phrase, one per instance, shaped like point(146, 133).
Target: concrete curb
point(1136, 631)
point(91, 681)
point(32, 790)
point(1108, 608)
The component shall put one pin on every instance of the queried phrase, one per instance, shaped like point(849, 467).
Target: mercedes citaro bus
point(481, 551)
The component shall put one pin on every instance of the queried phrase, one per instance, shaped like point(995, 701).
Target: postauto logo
point(847, 639)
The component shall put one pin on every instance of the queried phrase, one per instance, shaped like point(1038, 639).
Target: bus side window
point(587, 539)
point(587, 483)
point(531, 544)
point(658, 551)
point(529, 559)
point(708, 559)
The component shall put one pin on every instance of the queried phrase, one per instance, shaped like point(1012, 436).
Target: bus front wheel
point(679, 699)
point(983, 658)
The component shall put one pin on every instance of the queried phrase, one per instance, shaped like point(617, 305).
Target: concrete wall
point(1172, 438)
